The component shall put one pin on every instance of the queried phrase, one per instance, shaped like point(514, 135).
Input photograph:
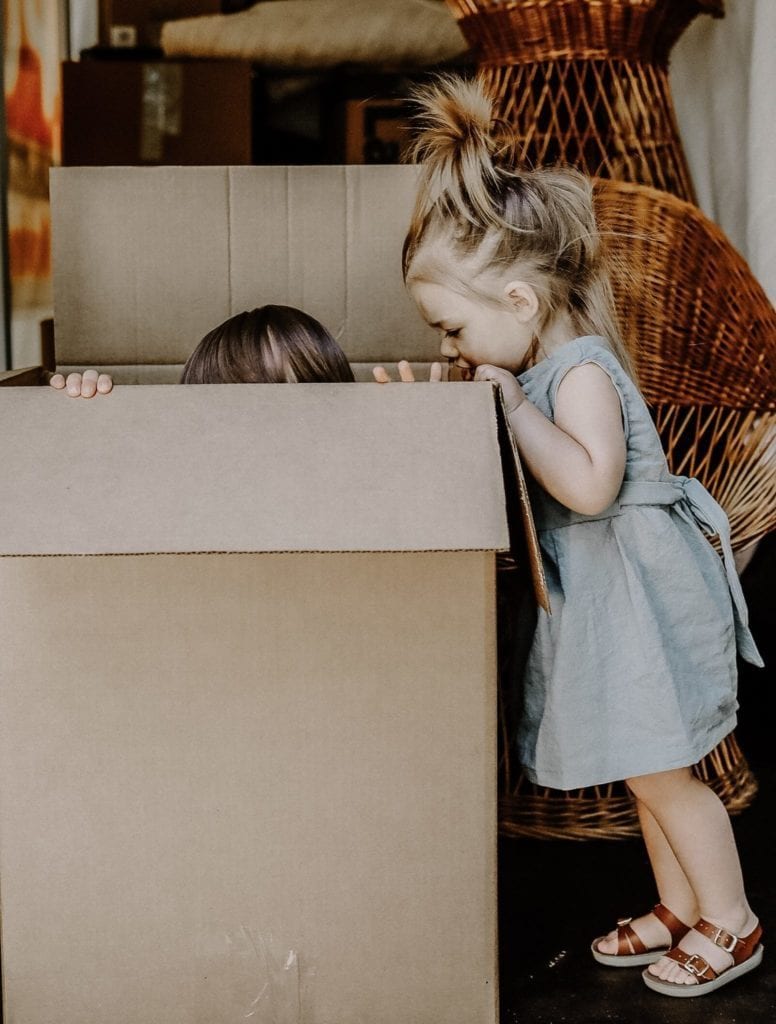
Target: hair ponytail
point(470, 192)
point(458, 154)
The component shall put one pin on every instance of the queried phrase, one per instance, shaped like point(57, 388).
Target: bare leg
point(673, 889)
point(697, 828)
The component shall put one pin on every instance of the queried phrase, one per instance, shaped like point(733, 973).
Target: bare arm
point(580, 458)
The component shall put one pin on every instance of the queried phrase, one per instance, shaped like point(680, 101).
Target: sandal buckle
point(725, 940)
point(693, 965)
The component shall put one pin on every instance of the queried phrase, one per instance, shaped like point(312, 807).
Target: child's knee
point(648, 788)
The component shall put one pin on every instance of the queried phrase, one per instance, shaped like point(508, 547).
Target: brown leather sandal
point(747, 953)
point(631, 951)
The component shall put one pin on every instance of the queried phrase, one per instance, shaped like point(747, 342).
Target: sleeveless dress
point(634, 670)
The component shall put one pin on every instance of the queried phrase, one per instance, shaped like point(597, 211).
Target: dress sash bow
point(695, 505)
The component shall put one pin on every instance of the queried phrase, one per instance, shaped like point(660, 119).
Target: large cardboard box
point(147, 260)
point(247, 632)
point(247, 711)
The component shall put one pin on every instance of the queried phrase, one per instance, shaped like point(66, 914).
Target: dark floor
point(555, 897)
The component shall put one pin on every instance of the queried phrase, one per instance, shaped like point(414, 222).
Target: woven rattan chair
point(703, 335)
point(585, 82)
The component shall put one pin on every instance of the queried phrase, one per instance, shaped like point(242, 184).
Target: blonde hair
point(474, 206)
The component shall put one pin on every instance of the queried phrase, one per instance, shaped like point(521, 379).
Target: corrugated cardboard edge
point(176, 470)
point(124, 239)
point(246, 551)
point(535, 563)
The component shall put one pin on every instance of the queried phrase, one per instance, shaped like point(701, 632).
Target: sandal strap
point(740, 948)
point(677, 928)
point(628, 942)
point(694, 964)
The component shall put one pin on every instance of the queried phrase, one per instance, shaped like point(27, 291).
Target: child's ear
point(523, 300)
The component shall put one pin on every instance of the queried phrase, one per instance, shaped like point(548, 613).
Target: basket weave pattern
point(585, 82)
point(607, 812)
point(702, 333)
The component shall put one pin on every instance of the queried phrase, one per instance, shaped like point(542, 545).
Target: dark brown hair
point(268, 345)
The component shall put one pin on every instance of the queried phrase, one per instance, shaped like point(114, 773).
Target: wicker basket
point(585, 82)
point(703, 336)
point(609, 812)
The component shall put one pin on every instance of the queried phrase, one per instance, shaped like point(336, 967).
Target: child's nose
point(448, 348)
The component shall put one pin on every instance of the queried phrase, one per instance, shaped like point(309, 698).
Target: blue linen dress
point(634, 670)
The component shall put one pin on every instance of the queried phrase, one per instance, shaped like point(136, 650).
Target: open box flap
point(252, 467)
point(524, 542)
point(223, 239)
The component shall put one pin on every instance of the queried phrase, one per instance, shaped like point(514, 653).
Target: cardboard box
point(156, 112)
point(224, 239)
point(220, 240)
point(248, 699)
point(247, 712)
